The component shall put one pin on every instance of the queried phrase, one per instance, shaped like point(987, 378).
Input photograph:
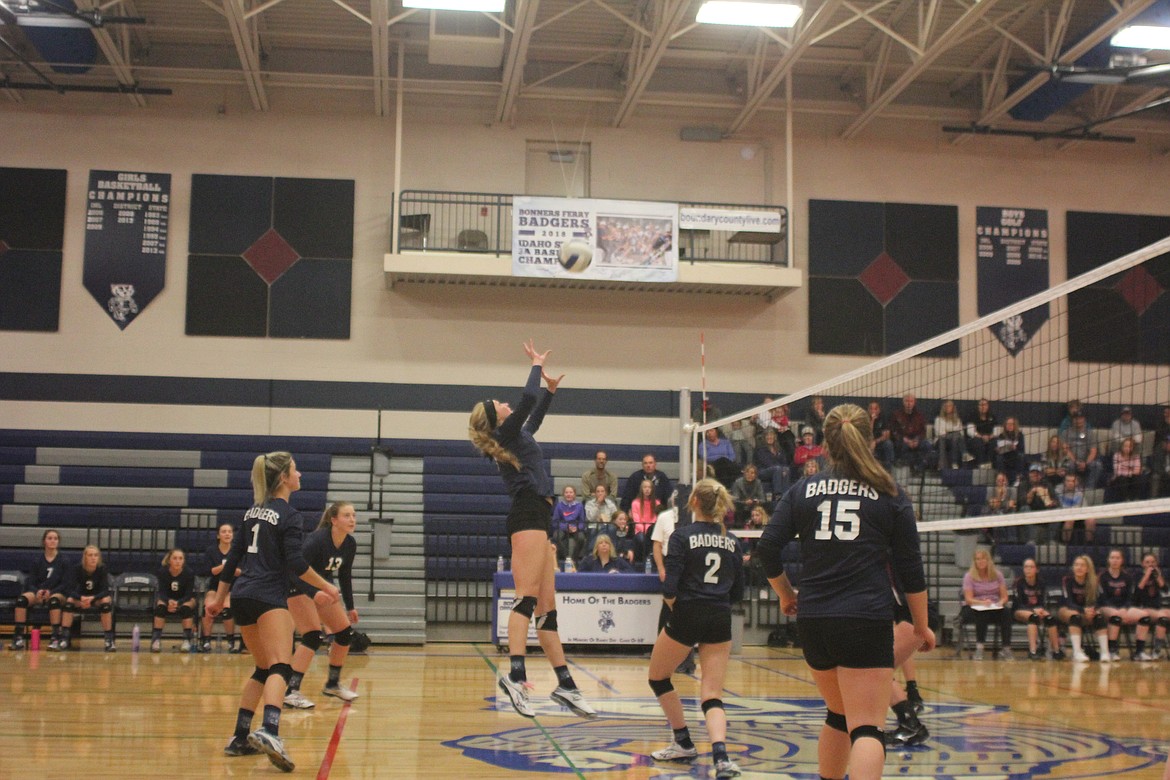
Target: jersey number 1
point(255, 545)
point(839, 519)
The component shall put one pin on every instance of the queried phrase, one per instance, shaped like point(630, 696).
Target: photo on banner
point(1012, 247)
point(595, 239)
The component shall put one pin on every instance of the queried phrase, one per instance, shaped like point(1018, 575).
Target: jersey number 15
point(839, 519)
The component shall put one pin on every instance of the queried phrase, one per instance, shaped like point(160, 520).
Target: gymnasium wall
point(631, 350)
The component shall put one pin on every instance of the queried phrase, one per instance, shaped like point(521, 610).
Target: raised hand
point(552, 383)
point(538, 358)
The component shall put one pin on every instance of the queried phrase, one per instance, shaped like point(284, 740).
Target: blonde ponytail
point(1090, 580)
point(848, 433)
point(480, 434)
point(266, 473)
point(711, 502)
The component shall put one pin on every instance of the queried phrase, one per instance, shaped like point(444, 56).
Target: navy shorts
point(698, 623)
point(529, 512)
point(247, 612)
point(854, 643)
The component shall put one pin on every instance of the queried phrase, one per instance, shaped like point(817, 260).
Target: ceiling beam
point(245, 42)
point(804, 33)
point(940, 45)
point(513, 78)
point(670, 18)
point(113, 54)
point(1070, 55)
point(380, 47)
point(1023, 16)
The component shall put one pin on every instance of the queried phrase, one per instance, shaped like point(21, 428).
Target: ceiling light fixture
point(1142, 36)
point(748, 14)
point(485, 6)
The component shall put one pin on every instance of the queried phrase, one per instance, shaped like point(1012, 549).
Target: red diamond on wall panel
point(1140, 289)
point(884, 278)
point(271, 256)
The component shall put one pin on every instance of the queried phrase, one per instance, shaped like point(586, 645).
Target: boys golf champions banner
point(126, 220)
point(1013, 264)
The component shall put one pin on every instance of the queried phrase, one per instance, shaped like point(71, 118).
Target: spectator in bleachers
point(624, 542)
point(600, 509)
point(808, 450)
point(1162, 428)
point(1082, 450)
point(772, 464)
point(882, 446)
point(644, 510)
point(604, 559)
point(1070, 495)
point(1124, 427)
point(720, 457)
point(1010, 454)
point(1128, 481)
point(1078, 609)
point(777, 420)
point(982, 430)
point(1071, 410)
point(569, 525)
point(810, 468)
point(948, 431)
point(1160, 471)
point(599, 474)
point(1116, 602)
point(985, 601)
point(1035, 495)
point(1001, 498)
point(908, 430)
point(815, 418)
point(747, 493)
point(663, 487)
point(175, 599)
point(47, 582)
point(216, 556)
point(743, 440)
point(89, 593)
point(1056, 461)
point(1030, 607)
point(1148, 598)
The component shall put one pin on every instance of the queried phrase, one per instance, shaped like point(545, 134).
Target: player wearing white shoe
point(507, 437)
point(1148, 597)
point(1079, 608)
point(1117, 606)
point(48, 579)
point(89, 592)
point(265, 551)
point(704, 577)
point(175, 599)
point(216, 557)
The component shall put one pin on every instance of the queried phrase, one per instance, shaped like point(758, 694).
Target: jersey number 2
point(839, 519)
point(713, 560)
point(255, 545)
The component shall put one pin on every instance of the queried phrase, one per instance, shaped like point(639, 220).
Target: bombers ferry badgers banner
point(595, 239)
point(126, 218)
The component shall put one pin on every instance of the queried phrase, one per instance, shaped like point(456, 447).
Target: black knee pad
point(712, 704)
point(836, 721)
point(22, 601)
point(1145, 620)
point(105, 608)
point(547, 621)
point(872, 732)
point(1098, 622)
point(312, 640)
point(283, 670)
point(226, 613)
point(186, 611)
point(344, 637)
point(1050, 620)
point(661, 687)
point(1076, 619)
point(160, 611)
point(1034, 619)
point(1164, 622)
point(55, 603)
point(525, 606)
point(1115, 620)
point(73, 609)
point(260, 675)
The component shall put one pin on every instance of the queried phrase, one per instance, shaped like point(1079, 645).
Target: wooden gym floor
point(432, 712)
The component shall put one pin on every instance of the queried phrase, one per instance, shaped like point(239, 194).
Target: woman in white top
point(948, 427)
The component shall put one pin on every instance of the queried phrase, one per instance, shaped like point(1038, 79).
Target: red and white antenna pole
point(703, 372)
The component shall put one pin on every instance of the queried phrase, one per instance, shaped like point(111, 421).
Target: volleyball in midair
point(576, 255)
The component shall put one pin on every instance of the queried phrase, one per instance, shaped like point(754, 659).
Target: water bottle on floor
point(649, 565)
point(569, 567)
point(34, 640)
point(500, 563)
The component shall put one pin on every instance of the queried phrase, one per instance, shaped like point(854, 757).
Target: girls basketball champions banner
point(634, 241)
point(1013, 264)
point(126, 219)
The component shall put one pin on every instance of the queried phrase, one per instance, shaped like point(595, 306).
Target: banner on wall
point(591, 617)
point(731, 220)
point(126, 219)
point(594, 239)
point(1012, 256)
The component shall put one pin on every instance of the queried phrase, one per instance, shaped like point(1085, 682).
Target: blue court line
point(537, 723)
point(597, 679)
point(775, 671)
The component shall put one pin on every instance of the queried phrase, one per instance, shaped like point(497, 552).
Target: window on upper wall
point(558, 168)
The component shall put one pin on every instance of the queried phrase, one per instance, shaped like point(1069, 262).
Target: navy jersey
point(1027, 596)
point(516, 434)
point(851, 538)
point(95, 584)
point(1116, 591)
point(49, 575)
point(215, 557)
point(177, 587)
point(704, 566)
point(331, 562)
point(1075, 593)
point(266, 549)
point(1148, 596)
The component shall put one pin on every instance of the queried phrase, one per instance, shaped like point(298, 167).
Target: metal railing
point(481, 223)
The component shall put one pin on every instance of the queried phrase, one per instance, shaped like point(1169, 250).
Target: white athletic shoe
point(1080, 657)
point(156, 646)
point(1115, 657)
point(184, 646)
point(273, 747)
point(345, 694)
point(1005, 654)
point(295, 700)
point(518, 694)
point(726, 769)
point(574, 700)
point(1144, 655)
point(977, 655)
point(675, 752)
